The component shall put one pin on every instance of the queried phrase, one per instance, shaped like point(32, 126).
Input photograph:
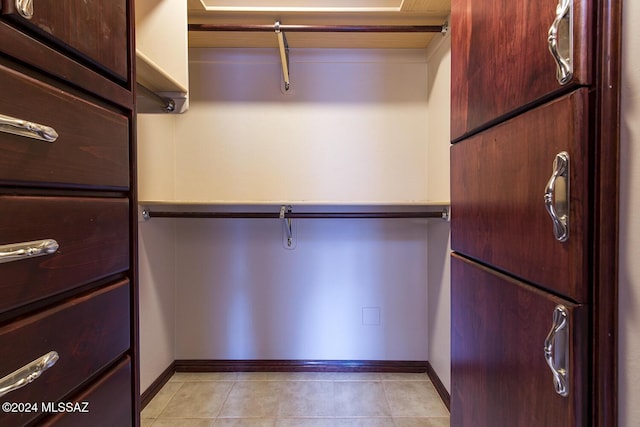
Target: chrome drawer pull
point(28, 129)
point(556, 200)
point(560, 40)
point(556, 350)
point(19, 251)
point(25, 8)
point(28, 373)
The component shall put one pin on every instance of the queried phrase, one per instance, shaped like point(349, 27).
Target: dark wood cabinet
point(501, 61)
point(95, 31)
point(534, 212)
point(88, 333)
point(501, 218)
point(68, 276)
point(92, 144)
point(107, 402)
point(499, 328)
point(92, 234)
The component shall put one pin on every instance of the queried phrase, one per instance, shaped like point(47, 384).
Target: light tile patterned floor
point(303, 399)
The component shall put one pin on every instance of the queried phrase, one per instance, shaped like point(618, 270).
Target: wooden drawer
point(109, 402)
point(88, 333)
point(500, 58)
point(499, 372)
point(498, 185)
point(93, 239)
point(92, 148)
point(95, 30)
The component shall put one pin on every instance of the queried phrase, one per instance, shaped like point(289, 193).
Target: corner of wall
point(439, 281)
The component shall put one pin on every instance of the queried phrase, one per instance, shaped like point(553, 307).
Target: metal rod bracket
point(166, 105)
point(446, 215)
point(288, 225)
point(284, 54)
point(445, 28)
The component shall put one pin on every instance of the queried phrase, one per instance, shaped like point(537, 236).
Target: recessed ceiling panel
point(303, 5)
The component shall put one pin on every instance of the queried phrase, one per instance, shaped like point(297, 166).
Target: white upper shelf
point(154, 77)
point(161, 52)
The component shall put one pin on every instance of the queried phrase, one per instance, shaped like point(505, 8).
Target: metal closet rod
point(294, 215)
point(323, 28)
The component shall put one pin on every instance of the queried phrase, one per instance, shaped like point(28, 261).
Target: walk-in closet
point(296, 222)
point(296, 197)
point(319, 213)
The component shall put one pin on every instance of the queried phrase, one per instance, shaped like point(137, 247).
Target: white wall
point(353, 128)
point(156, 244)
point(351, 289)
point(439, 280)
point(156, 156)
point(156, 265)
point(629, 271)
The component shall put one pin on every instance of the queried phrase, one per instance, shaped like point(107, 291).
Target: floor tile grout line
point(226, 398)
point(160, 411)
point(386, 398)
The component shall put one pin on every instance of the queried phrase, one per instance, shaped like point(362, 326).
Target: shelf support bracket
point(143, 214)
point(284, 55)
point(446, 214)
point(288, 226)
point(166, 105)
point(445, 28)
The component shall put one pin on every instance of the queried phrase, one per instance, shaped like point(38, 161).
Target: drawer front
point(91, 149)
point(499, 179)
point(88, 333)
point(108, 402)
point(500, 328)
point(97, 30)
point(501, 61)
point(92, 236)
